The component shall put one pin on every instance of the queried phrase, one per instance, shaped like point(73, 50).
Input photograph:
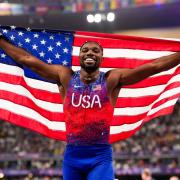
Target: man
point(89, 97)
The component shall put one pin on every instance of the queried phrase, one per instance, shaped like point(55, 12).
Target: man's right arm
point(51, 72)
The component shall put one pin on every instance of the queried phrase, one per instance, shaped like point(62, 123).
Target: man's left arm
point(131, 76)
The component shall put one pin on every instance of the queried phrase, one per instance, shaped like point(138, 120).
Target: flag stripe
point(115, 62)
point(32, 124)
point(129, 118)
point(31, 114)
point(124, 91)
point(141, 109)
point(38, 93)
point(121, 41)
point(117, 132)
point(140, 101)
point(22, 91)
point(24, 101)
point(128, 53)
point(17, 71)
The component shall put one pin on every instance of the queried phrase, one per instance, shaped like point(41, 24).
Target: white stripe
point(131, 111)
point(170, 71)
point(124, 127)
point(38, 84)
point(128, 53)
point(18, 89)
point(147, 91)
point(165, 105)
point(125, 92)
point(29, 113)
point(130, 127)
point(97, 37)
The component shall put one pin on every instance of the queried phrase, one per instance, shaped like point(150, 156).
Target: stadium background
point(27, 155)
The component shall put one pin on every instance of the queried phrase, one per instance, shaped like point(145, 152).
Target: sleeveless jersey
point(87, 111)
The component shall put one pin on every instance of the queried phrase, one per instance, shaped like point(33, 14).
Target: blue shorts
point(88, 163)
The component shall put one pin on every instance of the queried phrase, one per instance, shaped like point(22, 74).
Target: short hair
point(92, 42)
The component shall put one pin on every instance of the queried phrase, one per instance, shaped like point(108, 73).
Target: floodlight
point(110, 16)
point(97, 18)
point(90, 18)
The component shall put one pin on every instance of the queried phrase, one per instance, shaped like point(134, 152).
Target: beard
point(89, 67)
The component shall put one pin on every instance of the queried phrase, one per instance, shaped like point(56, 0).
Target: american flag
point(30, 101)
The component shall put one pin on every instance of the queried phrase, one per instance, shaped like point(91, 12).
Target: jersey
point(87, 111)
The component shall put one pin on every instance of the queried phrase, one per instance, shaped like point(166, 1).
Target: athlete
point(89, 97)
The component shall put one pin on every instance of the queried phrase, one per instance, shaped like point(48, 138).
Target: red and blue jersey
point(88, 111)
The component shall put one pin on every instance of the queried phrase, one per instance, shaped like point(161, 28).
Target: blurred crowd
point(156, 145)
point(43, 7)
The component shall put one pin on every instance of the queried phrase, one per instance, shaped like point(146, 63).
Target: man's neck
point(88, 77)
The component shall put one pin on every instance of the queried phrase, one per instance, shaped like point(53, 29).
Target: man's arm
point(131, 76)
point(52, 72)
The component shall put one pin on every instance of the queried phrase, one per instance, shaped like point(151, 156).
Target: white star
point(5, 31)
point(65, 50)
point(34, 46)
point(49, 61)
point(28, 29)
point(27, 40)
point(42, 54)
point(12, 38)
point(36, 35)
point(51, 37)
point(66, 38)
point(3, 55)
point(43, 42)
point(57, 56)
point(65, 62)
point(20, 33)
point(58, 43)
point(50, 48)
point(13, 27)
point(19, 44)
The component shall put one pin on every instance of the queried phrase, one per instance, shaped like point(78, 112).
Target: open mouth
point(89, 60)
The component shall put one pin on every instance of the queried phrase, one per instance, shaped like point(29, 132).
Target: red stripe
point(122, 136)
point(129, 119)
point(24, 101)
point(119, 41)
point(144, 100)
point(115, 62)
point(125, 135)
point(38, 93)
point(162, 112)
point(120, 120)
point(32, 125)
point(151, 81)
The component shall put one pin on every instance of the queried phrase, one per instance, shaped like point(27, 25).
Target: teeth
point(89, 59)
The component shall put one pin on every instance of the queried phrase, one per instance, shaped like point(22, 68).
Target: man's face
point(90, 56)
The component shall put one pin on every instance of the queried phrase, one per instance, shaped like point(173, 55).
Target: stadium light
point(110, 16)
point(97, 18)
point(90, 18)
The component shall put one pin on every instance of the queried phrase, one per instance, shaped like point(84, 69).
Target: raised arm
point(51, 72)
point(131, 76)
